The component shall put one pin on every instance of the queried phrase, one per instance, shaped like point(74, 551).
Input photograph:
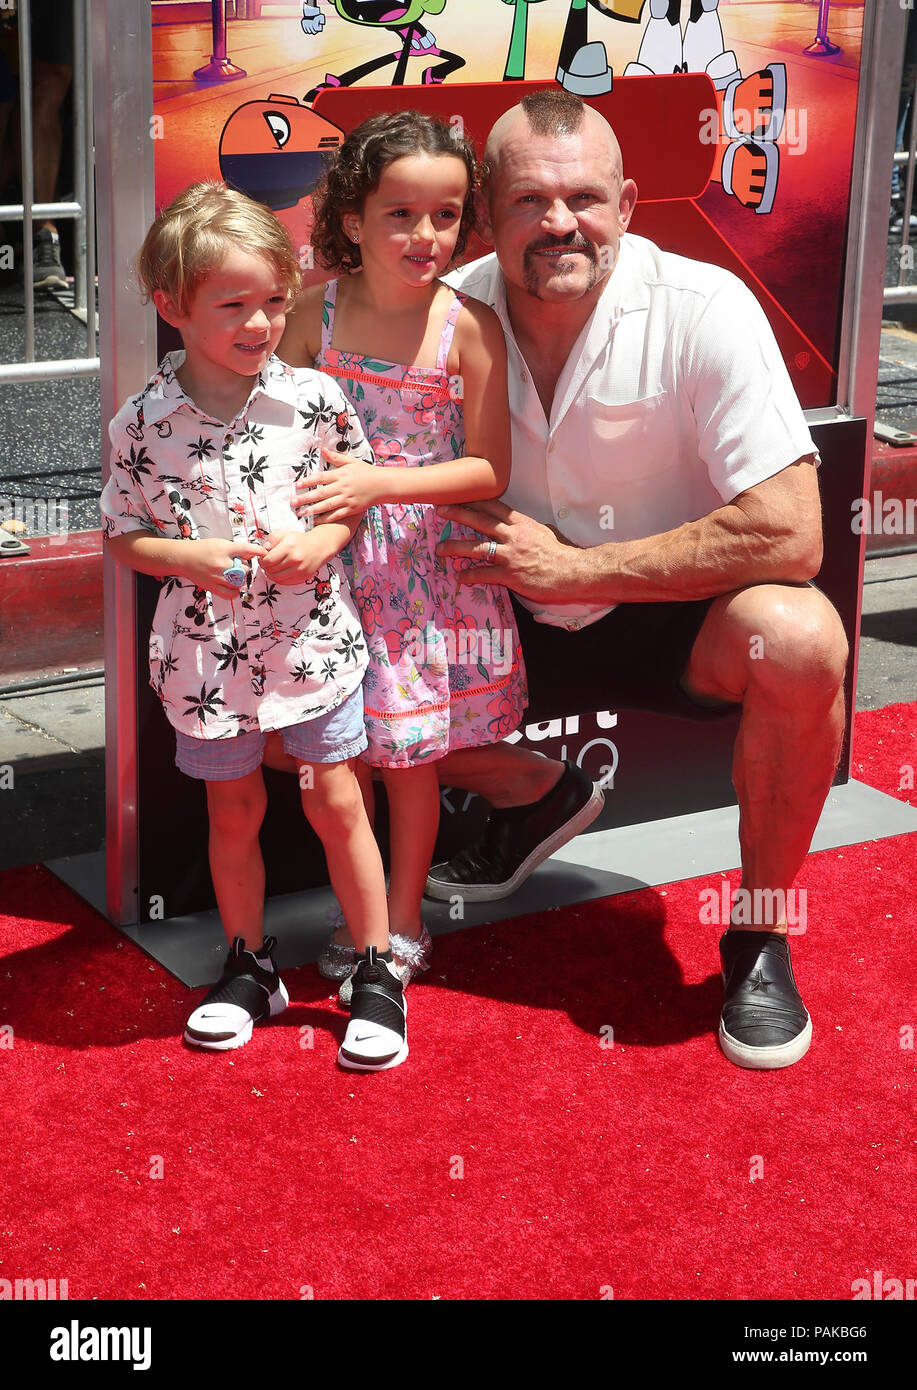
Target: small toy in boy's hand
point(236, 573)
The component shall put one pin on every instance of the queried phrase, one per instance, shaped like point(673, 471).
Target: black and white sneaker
point(249, 991)
point(516, 840)
point(764, 1023)
point(376, 1036)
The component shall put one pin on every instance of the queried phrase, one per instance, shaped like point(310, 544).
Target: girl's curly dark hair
point(357, 168)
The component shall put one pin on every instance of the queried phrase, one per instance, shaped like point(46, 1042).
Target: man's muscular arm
point(769, 534)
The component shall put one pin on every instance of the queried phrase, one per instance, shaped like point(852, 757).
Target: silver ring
point(491, 549)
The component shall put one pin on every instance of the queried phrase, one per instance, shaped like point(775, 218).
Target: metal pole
point(15, 212)
point(219, 69)
point(908, 187)
point(79, 152)
point(122, 84)
point(821, 46)
point(28, 174)
point(89, 164)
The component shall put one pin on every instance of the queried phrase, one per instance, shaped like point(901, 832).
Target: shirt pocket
point(634, 440)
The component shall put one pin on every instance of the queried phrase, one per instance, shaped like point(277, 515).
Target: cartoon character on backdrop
point(272, 150)
point(582, 67)
point(399, 18)
point(749, 112)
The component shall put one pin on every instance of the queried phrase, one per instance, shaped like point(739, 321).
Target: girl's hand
point(294, 557)
point(343, 491)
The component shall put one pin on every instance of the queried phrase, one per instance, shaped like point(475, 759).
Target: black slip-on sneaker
point(516, 840)
point(764, 1023)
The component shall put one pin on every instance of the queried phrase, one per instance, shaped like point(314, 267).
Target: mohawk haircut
point(553, 111)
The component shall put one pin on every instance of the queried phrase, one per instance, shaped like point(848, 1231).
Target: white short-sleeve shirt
point(274, 654)
point(674, 399)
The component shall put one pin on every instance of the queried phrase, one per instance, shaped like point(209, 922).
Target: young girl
point(425, 370)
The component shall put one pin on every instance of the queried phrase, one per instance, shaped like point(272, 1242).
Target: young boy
point(255, 629)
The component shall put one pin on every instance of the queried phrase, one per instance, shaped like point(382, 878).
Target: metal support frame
point(81, 209)
point(870, 191)
point(881, 62)
point(123, 82)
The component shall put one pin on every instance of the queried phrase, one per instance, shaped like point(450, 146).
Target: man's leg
point(505, 774)
point(781, 652)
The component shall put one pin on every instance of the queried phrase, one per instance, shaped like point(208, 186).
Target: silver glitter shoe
point(336, 962)
point(415, 956)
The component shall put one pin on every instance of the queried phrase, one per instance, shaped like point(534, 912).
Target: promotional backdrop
point(774, 210)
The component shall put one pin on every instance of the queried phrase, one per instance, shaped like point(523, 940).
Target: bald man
point(662, 524)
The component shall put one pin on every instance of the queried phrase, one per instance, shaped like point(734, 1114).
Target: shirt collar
point(164, 395)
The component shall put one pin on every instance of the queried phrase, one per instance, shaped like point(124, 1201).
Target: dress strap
point(331, 289)
point(445, 341)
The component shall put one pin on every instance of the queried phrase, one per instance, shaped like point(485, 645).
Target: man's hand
point(342, 492)
point(208, 559)
point(294, 557)
point(531, 559)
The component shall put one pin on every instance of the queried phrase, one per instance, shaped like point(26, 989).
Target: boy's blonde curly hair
point(191, 237)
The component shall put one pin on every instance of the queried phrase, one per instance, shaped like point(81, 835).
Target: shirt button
point(524, 375)
point(227, 441)
point(562, 512)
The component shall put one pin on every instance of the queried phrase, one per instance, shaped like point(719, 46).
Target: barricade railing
point(902, 293)
point(81, 210)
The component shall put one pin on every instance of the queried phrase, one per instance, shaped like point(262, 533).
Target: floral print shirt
point(275, 655)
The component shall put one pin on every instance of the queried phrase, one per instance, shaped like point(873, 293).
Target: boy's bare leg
point(342, 934)
point(333, 806)
point(413, 802)
point(236, 810)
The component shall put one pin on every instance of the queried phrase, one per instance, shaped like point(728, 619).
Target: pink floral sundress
point(445, 664)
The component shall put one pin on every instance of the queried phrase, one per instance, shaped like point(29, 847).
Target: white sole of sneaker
point(279, 1001)
point(490, 892)
point(352, 1064)
point(373, 1066)
point(766, 1058)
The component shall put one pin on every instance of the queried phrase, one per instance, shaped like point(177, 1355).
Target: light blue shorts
point(330, 738)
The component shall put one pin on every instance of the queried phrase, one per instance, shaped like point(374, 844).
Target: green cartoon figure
point(402, 19)
point(582, 67)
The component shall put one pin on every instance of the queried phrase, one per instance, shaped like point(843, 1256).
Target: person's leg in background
point(52, 75)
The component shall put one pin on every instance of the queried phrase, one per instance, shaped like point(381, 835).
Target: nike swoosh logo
point(368, 1037)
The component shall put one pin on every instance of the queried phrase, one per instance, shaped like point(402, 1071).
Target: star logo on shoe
point(758, 982)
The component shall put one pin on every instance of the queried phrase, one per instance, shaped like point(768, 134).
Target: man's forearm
point(701, 559)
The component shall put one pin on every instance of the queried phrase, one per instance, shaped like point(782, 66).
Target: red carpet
point(513, 1155)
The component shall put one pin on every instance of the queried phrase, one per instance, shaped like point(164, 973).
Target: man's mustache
point(568, 243)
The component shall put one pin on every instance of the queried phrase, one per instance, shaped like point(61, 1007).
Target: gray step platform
point(664, 851)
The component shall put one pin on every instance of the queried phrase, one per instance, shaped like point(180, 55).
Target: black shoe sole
point(490, 892)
